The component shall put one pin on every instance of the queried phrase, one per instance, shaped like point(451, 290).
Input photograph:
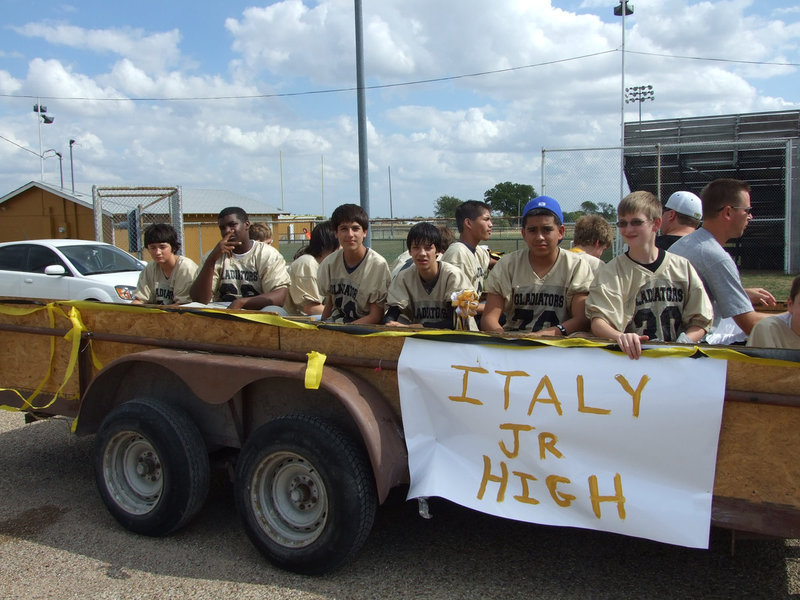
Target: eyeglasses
point(633, 223)
point(747, 209)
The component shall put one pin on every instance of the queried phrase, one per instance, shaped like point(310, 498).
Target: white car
point(68, 270)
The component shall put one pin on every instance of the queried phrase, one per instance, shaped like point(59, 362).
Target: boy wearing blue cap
point(540, 288)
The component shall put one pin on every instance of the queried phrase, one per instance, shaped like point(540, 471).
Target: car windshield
point(91, 259)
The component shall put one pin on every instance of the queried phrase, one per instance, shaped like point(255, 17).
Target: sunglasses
point(747, 209)
point(633, 223)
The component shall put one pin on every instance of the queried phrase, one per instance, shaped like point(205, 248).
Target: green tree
point(445, 207)
point(589, 208)
point(508, 198)
point(609, 211)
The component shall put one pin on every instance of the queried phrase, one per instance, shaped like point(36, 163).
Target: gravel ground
point(58, 541)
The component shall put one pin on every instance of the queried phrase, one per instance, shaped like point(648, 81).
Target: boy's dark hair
point(795, 289)
point(349, 213)
point(323, 238)
point(471, 209)
point(234, 210)
point(720, 193)
point(592, 228)
point(541, 212)
point(162, 233)
point(424, 233)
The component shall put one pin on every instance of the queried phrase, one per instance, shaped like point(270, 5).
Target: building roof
point(77, 197)
point(201, 201)
point(195, 201)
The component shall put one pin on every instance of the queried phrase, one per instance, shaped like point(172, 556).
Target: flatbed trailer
point(167, 391)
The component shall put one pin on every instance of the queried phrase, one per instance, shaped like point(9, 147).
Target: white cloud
point(156, 51)
point(456, 137)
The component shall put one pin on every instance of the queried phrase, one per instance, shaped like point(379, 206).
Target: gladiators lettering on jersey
point(660, 294)
point(539, 299)
point(433, 315)
point(344, 301)
point(236, 283)
point(659, 310)
point(163, 295)
point(237, 275)
point(537, 309)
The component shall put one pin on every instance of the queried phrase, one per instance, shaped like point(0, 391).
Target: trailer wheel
point(151, 466)
point(306, 494)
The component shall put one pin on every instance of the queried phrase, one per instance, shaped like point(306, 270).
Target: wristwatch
point(562, 329)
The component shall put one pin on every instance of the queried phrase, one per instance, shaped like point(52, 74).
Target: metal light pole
point(363, 161)
point(622, 10)
point(60, 164)
point(41, 111)
point(639, 93)
point(71, 168)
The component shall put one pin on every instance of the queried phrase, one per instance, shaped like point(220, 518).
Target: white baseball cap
point(686, 203)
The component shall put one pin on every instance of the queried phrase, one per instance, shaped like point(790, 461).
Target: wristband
point(562, 329)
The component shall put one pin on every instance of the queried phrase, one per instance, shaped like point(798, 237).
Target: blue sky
point(131, 83)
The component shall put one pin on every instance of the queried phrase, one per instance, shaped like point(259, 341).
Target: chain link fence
point(121, 214)
point(772, 239)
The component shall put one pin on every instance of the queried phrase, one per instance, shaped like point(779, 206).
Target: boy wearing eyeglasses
point(541, 288)
point(646, 293)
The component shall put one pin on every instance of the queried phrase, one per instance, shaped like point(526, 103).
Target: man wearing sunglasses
point(726, 213)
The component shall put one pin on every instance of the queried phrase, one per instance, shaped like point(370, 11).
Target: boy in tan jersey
point(474, 222)
point(246, 273)
point(592, 236)
point(167, 279)
point(540, 288)
point(421, 294)
point(354, 279)
point(647, 293)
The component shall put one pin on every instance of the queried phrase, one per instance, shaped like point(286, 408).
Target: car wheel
point(151, 466)
point(306, 493)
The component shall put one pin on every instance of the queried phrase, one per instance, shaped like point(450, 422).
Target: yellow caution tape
point(316, 361)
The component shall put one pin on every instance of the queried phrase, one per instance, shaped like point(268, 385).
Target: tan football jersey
point(303, 288)
point(418, 305)
point(594, 262)
point(774, 332)
point(475, 265)
point(156, 288)
point(660, 304)
point(260, 270)
point(353, 292)
point(532, 302)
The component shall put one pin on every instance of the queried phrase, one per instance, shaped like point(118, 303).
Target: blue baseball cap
point(545, 202)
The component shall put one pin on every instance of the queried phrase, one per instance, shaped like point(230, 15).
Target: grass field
point(775, 281)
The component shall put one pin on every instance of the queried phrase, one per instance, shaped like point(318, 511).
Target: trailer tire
point(306, 494)
point(151, 466)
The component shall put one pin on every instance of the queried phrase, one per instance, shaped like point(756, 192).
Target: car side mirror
point(55, 270)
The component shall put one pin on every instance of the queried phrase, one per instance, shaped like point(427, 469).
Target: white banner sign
point(565, 436)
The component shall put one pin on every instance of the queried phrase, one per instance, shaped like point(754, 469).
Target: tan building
point(39, 210)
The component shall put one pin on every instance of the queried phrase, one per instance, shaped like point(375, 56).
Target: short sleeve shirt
point(717, 271)
point(156, 288)
point(352, 291)
point(531, 302)
point(429, 308)
point(303, 288)
point(661, 304)
point(260, 270)
point(774, 332)
point(474, 262)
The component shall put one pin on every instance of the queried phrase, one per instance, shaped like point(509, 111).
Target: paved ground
point(58, 541)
